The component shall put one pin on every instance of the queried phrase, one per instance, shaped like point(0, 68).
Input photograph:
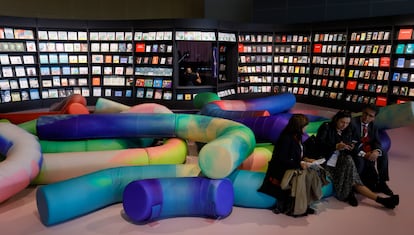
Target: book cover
point(351, 85)
point(405, 34)
point(400, 48)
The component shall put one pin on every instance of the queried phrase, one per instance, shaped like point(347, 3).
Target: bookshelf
point(111, 63)
point(402, 79)
point(227, 52)
point(368, 66)
point(255, 69)
point(291, 63)
point(19, 80)
point(328, 64)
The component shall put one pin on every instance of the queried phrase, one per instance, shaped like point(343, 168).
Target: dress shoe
point(352, 199)
point(389, 202)
point(383, 188)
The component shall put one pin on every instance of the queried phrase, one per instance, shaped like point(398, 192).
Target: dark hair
point(372, 107)
point(295, 125)
point(339, 115)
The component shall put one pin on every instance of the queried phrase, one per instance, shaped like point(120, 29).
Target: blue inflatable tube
point(154, 199)
point(229, 143)
point(69, 199)
point(233, 109)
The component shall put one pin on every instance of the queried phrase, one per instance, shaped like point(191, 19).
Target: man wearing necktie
point(371, 161)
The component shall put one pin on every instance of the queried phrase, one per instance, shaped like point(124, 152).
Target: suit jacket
point(327, 138)
point(373, 139)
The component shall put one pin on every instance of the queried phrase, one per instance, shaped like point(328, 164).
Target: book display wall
point(328, 65)
point(291, 63)
point(368, 64)
point(402, 81)
point(19, 80)
point(111, 63)
point(154, 65)
point(64, 63)
point(255, 69)
point(227, 43)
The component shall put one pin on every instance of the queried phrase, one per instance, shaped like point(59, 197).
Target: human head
point(188, 70)
point(369, 112)
point(296, 125)
point(342, 119)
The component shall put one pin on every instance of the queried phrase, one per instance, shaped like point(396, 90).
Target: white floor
point(19, 215)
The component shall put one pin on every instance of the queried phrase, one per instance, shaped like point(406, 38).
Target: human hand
point(372, 155)
point(343, 146)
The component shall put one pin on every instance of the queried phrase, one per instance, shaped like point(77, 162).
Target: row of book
point(7, 96)
point(255, 59)
point(57, 81)
point(328, 60)
point(255, 79)
point(111, 47)
point(20, 83)
point(365, 61)
point(61, 47)
point(6, 59)
point(17, 71)
point(321, 48)
point(403, 77)
point(369, 74)
point(329, 71)
point(153, 82)
point(63, 35)
point(153, 48)
point(327, 94)
point(255, 38)
point(226, 92)
point(154, 60)
point(255, 48)
point(367, 87)
point(402, 62)
point(292, 48)
point(11, 33)
point(297, 69)
point(62, 58)
point(364, 99)
point(64, 70)
point(111, 59)
point(109, 70)
point(256, 69)
point(304, 59)
point(28, 46)
point(327, 82)
point(288, 79)
point(153, 71)
point(370, 49)
point(330, 37)
point(151, 93)
point(404, 48)
point(370, 36)
point(403, 91)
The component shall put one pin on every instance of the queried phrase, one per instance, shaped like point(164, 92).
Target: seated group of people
point(355, 161)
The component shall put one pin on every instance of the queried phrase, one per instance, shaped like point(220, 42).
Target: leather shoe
point(352, 200)
point(383, 188)
point(389, 202)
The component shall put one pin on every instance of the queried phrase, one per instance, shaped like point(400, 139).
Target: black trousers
point(369, 171)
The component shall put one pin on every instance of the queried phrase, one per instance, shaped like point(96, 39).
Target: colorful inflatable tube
point(57, 167)
point(22, 162)
point(153, 199)
point(72, 198)
point(228, 143)
point(264, 106)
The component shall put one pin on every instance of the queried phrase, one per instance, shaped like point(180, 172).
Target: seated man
point(371, 160)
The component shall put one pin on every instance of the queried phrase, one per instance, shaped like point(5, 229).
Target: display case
point(328, 64)
point(153, 59)
point(291, 63)
point(19, 80)
point(368, 66)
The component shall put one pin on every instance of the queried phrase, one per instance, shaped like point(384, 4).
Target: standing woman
point(336, 143)
point(287, 154)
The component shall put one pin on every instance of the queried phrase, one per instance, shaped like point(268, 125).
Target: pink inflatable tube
point(23, 159)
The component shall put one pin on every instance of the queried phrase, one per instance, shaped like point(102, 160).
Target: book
point(405, 34)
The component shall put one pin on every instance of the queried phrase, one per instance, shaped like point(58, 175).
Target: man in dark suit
point(370, 152)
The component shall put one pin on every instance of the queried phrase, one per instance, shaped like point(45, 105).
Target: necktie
point(364, 130)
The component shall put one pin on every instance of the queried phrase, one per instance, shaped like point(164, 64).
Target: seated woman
point(335, 141)
point(287, 154)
